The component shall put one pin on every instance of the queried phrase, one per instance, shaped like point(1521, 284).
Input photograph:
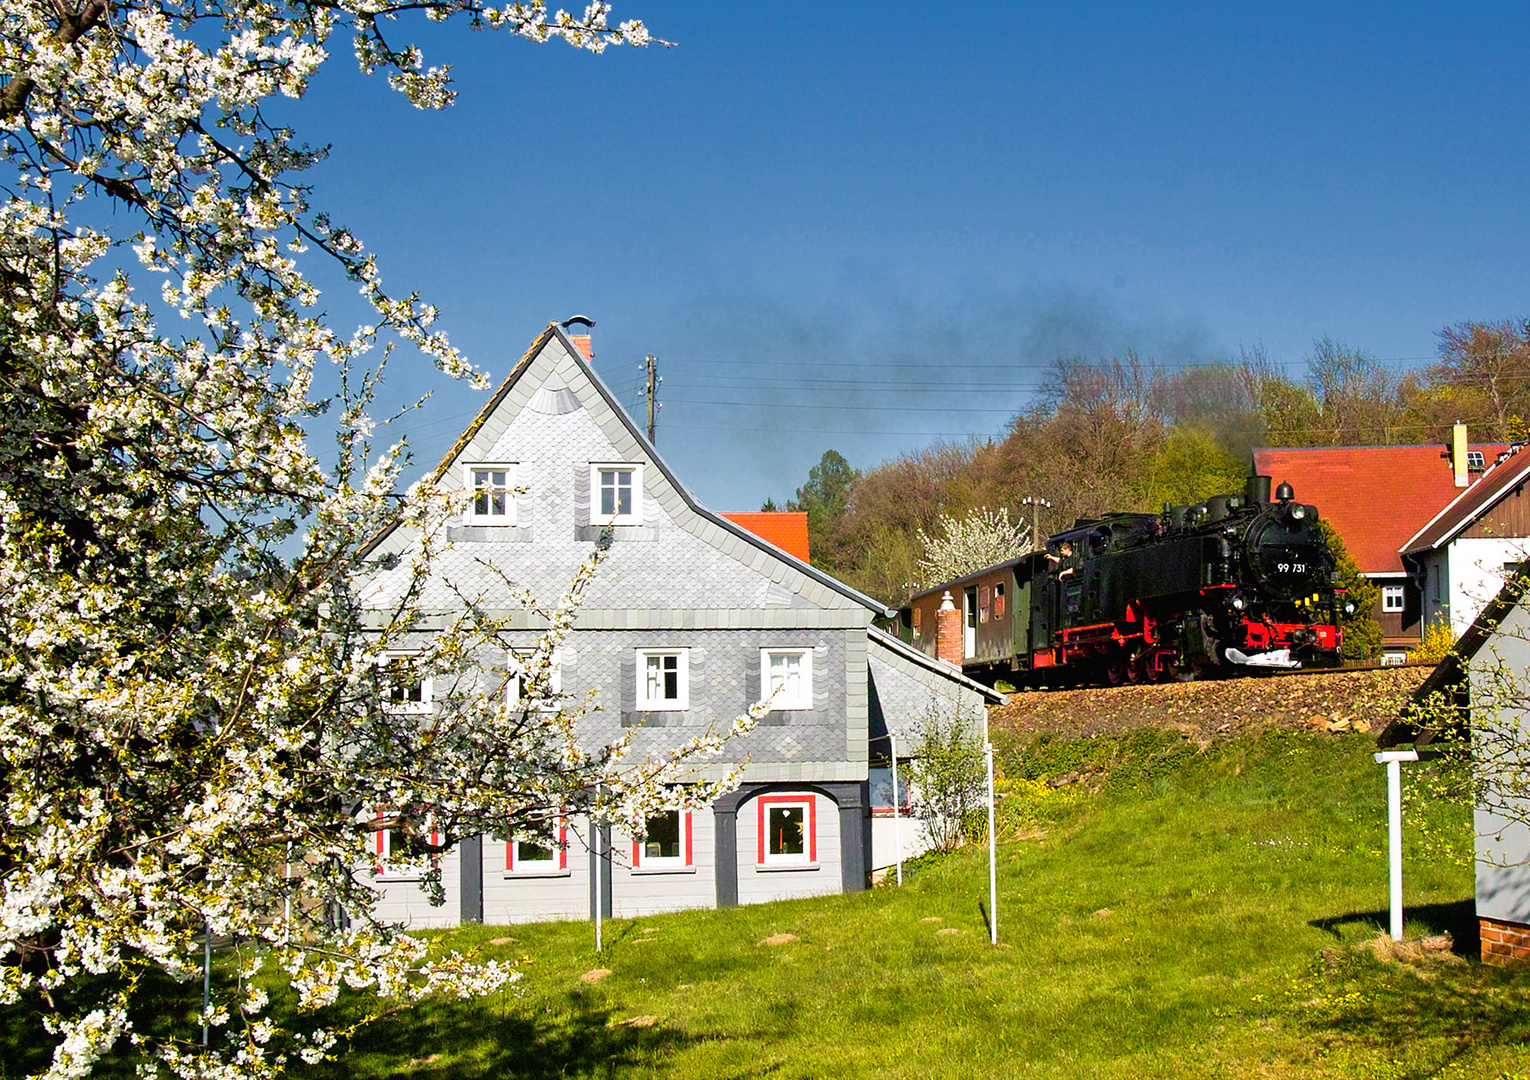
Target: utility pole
point(651, 392)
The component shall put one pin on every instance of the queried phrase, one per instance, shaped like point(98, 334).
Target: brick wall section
point(1504, 943)
point(948, 632)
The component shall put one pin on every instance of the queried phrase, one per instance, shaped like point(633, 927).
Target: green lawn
point(1201, 915)
point(1176, 912)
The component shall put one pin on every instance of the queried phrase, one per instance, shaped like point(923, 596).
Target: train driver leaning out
point(1062, 561)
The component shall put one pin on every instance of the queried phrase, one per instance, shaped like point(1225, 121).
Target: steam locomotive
point(1236, 582)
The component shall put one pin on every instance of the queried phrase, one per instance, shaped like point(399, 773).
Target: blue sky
point(871, 226)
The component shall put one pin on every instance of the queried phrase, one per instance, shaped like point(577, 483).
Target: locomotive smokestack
point(1256, 490)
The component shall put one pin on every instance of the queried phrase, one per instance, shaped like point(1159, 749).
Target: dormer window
point(492, 493)
point(616, 494)
point(1475, 461)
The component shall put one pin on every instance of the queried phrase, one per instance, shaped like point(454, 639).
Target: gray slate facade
point(680, 581)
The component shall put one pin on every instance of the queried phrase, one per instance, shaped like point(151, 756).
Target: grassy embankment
point(1177, 912)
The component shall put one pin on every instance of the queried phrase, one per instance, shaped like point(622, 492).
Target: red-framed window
point(787, 830)
point(525, 857)
point(383, 840)
point(666, 842)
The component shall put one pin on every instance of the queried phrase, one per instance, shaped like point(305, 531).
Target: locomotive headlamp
point(1238, 603)
point(1298, 512)
point(1349, 608)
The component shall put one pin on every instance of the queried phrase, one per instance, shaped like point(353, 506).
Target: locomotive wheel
point(1117, 670)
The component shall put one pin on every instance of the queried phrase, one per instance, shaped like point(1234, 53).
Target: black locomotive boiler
point(1236, 582)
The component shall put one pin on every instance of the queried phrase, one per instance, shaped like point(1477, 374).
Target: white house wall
point(1475, 574)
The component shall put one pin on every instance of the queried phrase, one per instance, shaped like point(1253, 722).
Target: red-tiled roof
point(787, 529)
point(1377, 497)
point(1470, 504)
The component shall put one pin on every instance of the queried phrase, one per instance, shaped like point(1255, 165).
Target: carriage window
point(983, 604)
point(998, 601)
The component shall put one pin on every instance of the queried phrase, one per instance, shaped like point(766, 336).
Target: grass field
point(1178, 912)
point(1205, 913)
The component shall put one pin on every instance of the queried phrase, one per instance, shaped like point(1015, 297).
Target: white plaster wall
point(1475, 575)
point(404, 901)
point(911, 832)
point(517, 897)
point(636, 891)
point(757, 884)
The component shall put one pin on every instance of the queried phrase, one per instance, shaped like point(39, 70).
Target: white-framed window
point(786, 678)
point(406, 689)
point(788, 830)
point(532, 859)
point(1391, 598)
point(386, 841)
point(616, 494)
point(491, 489)
point(1475, 460)
point(663, 679)
point(665, 843)
point(1393, 659)
point(515, 684)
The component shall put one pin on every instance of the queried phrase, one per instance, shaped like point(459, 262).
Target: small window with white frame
point(491, 489)
point(1475, 461)
point(665, 843)
point(786, 678)
point(529, 858)
point(1391, 598)
point(663, 677)
point(406, 688)
point(515, 685)
point(616, 494)
point(788, 831)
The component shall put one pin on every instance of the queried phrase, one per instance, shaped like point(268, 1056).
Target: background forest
point(1128, 434)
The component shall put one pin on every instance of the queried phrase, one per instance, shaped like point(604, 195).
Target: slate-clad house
point(688, 617)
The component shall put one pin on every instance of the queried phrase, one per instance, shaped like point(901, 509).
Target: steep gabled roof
point(947, 671)
point(1501, 479)
point(787, 529)
point(443, 472)
point(1375, 496)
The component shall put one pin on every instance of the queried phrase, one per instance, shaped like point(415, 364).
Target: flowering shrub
point(193, 683)
point(961, 545)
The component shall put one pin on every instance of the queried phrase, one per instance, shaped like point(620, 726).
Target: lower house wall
point(1504, 943)
point(725, 838)
point(821, 876)
point(637, 890)
point(539, 895)
point(404, 900)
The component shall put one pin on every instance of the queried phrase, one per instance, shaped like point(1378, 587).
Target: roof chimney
point(1458, 453)
point(948, 631)
point(578, 329)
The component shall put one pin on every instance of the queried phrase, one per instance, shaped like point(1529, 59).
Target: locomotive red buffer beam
point(1275, 641)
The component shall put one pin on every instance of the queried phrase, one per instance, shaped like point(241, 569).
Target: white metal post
point(897, 831)
point(595, 843)
point(1393, 760)
point(993, 865)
